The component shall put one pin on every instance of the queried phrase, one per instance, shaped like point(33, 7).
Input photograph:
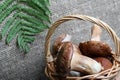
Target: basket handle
point(100, 23)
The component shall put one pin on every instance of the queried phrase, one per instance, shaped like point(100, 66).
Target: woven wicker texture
point(50, 70)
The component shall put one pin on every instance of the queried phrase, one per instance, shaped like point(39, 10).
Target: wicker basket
point(107, 74)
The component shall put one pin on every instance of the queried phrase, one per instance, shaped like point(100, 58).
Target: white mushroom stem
point(83, 63)
point(67, 38)
point(75, 73)
point(95, 33)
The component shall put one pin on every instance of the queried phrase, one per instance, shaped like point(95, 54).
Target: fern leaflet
point(29, 17)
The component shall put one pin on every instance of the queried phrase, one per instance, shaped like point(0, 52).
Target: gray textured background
point(14, 65)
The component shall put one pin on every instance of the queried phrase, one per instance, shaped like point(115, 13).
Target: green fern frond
point(29, 17)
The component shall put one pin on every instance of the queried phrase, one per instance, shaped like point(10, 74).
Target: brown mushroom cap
point(106, 63)
point(58, 42)
point(63, 61)
point(95, 49)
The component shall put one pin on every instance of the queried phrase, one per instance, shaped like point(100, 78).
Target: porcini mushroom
point(58, 42)
point(70, 58)
point(106, 63)
point(95, 47)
